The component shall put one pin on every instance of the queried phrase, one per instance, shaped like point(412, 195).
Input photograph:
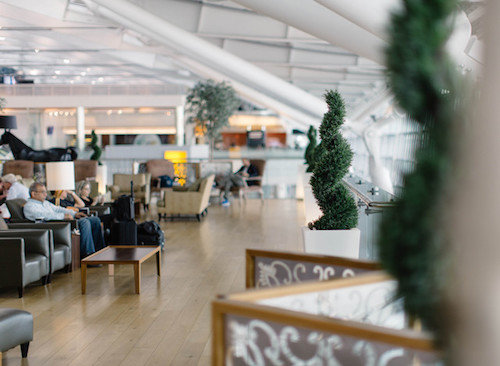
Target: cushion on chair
point(16, 327)
point(15, 207)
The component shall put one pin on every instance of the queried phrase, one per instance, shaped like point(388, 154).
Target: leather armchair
point(16, 328)
point(24, 168)
point(157, 168)
point(85, 169)
point(187, 202)
point(24, 258)
point(121, 186)
point(17, 215)
point(60, 242)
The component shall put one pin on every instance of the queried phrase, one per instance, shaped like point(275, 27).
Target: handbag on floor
point(150, 233)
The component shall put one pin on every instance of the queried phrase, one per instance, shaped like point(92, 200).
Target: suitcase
point(123, 206)
point(123, 232)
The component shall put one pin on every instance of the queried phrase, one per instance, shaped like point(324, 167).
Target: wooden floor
point(169, 322)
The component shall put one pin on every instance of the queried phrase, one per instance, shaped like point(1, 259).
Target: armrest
point(12, 261)
point(35, 240)
point(61, 230)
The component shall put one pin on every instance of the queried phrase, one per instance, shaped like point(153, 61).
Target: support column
point(179, 125)
point(80, 128)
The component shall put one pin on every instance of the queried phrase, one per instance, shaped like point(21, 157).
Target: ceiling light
point(56, 113)
point(37, 50)
point(66, 114)
point(66, 61)
point(83, 73)
point(109, 112)
point(93, 82)
point(2, 38)
point(34, 72)
point(88, 68)
point(57, 72)
point(54, 77)
point(120, 111)
point(101, 79)
point(71, 81)
point(78, 77)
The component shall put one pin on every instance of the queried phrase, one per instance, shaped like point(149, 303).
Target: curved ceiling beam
point(374, 17)
point(311, 18)
point(223, 61)
point(300, 118)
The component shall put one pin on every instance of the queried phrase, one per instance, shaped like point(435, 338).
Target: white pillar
point(80, 128)
point(473, 220)
point(179, 125)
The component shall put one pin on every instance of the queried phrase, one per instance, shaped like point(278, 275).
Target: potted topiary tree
point(335, 232)
point(210, 105)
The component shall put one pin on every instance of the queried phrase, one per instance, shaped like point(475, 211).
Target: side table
point(75, 251)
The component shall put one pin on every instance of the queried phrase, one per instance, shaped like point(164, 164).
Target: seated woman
point(74, 203)
point(83, 191)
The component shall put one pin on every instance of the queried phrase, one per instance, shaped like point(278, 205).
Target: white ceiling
point(67, 41)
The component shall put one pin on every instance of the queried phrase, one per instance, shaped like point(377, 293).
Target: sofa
point(193, 200)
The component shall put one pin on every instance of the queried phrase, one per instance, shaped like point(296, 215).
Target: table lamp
point(8, 122)
point(60, 176)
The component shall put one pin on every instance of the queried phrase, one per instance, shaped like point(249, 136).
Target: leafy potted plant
point(335, 232)
point(210, 105)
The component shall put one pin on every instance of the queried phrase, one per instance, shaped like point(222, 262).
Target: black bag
point(123, 232)
point(150, 233)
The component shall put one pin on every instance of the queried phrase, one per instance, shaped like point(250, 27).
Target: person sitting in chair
point(226, 182)
point(37, 207)
point(13, 189)
point(75, 204)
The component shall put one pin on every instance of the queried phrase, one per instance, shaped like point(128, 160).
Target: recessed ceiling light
point(56, 113)
point(120, 111)
point(66, 61)
point(71, 81)
point(2, 38)
point(37, 50)
point(57, 72)
point(78, 77)
point(34, 72)
point(109, 112)
point(101, 79)
point(54, 77)
point(83, 73)
point(93, 82)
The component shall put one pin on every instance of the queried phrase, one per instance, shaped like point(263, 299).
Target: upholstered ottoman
point(16, 328)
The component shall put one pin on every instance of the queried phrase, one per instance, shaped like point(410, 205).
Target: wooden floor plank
point(169, 322)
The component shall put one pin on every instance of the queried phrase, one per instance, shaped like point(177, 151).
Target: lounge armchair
point(60, 242)
point(158, 168)
point(121, 186)
point(187, 202)
point(24, 258)
point(16, 328)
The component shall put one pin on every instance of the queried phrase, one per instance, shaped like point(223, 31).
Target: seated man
point(237, 179)
point(91, 238)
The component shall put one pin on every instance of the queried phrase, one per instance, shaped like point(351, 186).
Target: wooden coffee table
point(122, 254)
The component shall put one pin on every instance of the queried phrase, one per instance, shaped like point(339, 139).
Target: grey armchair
point(24, 258)
point(60, 242)
point(16, 328)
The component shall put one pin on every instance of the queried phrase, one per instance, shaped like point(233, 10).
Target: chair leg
point(159, 217)
point(67, 268)
point(24, 349)
point(198, 217)
point(20, 291)
point(46, 280)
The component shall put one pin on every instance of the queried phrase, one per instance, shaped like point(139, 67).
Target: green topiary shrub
point(310, 149)
point(96, 155)
point(412, 243)
point(334, 156)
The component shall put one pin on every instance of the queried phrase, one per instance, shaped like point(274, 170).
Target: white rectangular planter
point(339, 243)
point(312, 210)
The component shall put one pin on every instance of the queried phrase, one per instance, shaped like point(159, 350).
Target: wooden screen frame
point(250, 255)
point(244, 304)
